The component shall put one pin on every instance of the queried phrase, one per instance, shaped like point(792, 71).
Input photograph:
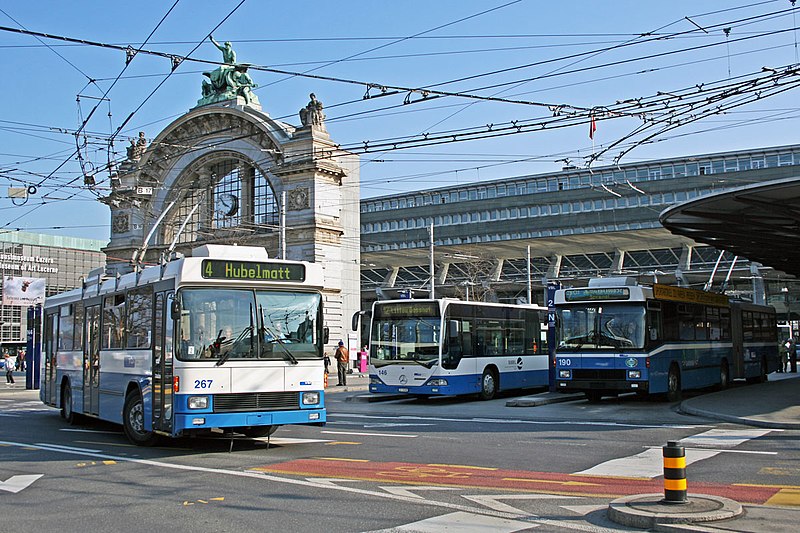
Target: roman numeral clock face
point(227, 204)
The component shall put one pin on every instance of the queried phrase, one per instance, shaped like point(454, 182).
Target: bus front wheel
point(674, 384)
point(488, 385)
point(133, 421)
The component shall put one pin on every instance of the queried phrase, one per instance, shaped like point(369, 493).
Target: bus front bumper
point(616, 386)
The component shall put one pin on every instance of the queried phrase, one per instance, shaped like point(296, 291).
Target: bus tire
point(255, 432)
point(67, 412)
point(133, 421)
point(488, 385)
point(724, 375)
point(674, 384)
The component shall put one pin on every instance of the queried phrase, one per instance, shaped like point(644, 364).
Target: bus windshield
point(229, 324)
point(406, 333)
point(593, 326)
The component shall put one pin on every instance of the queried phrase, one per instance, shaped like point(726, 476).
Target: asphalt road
point(402, 466)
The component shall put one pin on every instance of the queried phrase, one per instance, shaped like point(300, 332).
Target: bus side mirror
point(326, 335)
point(175, 310)
point(452, 329)
point(356, 320)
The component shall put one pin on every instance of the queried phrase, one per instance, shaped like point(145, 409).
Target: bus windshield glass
point(609, 326)
point(231, 324)
point(406, 332)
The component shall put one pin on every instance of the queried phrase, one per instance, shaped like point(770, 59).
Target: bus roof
point(209, 265)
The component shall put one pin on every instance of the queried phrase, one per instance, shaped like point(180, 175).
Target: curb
point(545, 399)
point(686, 409)
point(646, 511)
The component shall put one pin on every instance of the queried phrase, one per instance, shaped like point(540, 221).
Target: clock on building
point(227, 204)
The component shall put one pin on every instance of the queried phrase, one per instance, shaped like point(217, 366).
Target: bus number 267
point(203, 383)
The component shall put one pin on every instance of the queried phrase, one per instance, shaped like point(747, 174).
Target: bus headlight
point(310, 398)
point(439, 382)
point(375, 381)
point(565, 374)
point(198, 402)
point(634, 374)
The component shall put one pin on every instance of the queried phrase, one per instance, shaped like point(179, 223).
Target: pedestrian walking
point(327, 361)
point(8, 366)
point(342, 356)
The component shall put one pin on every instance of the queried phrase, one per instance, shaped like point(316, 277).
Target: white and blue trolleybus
point(452, 347)
point(225, 339)
point(617, 336)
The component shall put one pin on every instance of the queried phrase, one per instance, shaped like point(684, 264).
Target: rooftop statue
point(137, 148)
point(312, 115)
point(229, 80)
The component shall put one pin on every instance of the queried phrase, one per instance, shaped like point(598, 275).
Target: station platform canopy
point(760, 222)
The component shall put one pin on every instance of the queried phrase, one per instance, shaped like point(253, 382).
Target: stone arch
point(182, 163)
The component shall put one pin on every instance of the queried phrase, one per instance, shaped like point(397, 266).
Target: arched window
point(230, 194)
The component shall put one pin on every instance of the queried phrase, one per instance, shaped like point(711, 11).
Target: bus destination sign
point(605, 293)
point(407, 310)
point(252, 271)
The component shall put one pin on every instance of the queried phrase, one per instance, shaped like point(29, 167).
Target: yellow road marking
point(464, 466)
point(790, 487)
point(634, 478)
point(573, 483)
point(778, 471)
point(338, 442)
point(109, 462)
point(343, 459)
point(785, 497)
point(217, 499)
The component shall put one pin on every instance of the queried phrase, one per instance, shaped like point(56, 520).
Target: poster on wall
point(23, 291)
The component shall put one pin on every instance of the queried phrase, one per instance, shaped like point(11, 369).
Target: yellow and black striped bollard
point(674, 473)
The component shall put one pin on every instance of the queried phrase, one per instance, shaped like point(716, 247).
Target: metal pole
point(283, 225)
point(530, 288)
point(432, 278)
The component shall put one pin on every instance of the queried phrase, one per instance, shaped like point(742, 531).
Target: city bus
point(451, 347)
point(617, 336)
point(225, 339)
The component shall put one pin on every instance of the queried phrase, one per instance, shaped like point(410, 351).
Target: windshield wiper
point(248, 329)
point(292, 359)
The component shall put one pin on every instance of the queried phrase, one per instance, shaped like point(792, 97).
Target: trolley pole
point(674, 473)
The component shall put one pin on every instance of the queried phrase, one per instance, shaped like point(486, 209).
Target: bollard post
point(674, 473)
point(326, 381)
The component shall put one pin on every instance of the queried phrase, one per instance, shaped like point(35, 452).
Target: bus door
point(162, 363)
point(50, 338)
point(91, 362)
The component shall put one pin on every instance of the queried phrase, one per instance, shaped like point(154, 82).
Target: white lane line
point(526, 422)
point(60, 448)
point(370, 434)
point(460, 522)
point(74, 430)
point(449, 506)
point(649, 463)
point(723, 438)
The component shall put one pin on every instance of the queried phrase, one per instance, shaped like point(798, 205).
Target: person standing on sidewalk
point(8, 366)
point(342, 356)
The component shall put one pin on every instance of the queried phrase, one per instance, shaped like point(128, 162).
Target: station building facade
point(575, 223)
point(61, 261)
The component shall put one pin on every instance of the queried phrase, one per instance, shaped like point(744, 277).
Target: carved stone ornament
point(298, 198)
point(120, 223)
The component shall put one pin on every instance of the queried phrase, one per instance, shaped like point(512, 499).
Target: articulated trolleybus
point(452, 347)
point(224, 339)
point(617, 336)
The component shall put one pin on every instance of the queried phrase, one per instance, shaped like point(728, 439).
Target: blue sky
point(583, 55)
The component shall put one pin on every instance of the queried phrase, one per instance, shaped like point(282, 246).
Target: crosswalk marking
point(461, 522)
point(648, 464)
